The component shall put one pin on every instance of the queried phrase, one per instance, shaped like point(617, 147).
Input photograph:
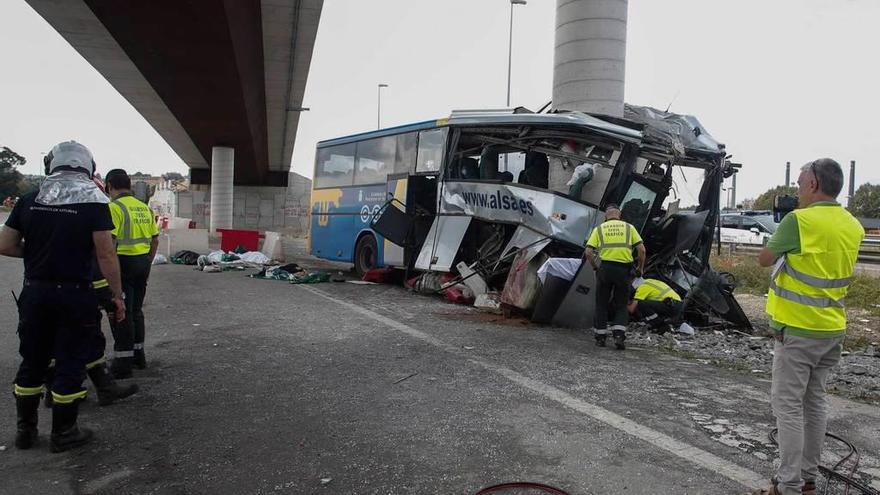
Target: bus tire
point(365, 253)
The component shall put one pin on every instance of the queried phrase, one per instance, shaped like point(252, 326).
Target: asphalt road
point(261, 387)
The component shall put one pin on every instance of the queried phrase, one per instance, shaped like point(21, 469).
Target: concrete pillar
point(222, 170)
point(590, 56)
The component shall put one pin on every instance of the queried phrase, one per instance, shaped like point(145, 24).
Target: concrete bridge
point(222, 81)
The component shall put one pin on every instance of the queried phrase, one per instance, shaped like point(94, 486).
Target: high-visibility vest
point(134, 226)
point(615, 241)
point(809, 288)
point(655, 290)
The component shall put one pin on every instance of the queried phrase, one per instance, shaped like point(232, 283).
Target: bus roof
point(498, 117)
point(389, 131)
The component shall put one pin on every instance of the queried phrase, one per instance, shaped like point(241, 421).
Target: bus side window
point(405, 161)
point(375, 160)
point(334, 166)
point(431, 145)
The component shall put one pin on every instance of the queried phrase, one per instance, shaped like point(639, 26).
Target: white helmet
point(72, 155)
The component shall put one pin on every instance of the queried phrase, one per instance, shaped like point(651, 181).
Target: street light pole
point(510, 47)
point(379, 105)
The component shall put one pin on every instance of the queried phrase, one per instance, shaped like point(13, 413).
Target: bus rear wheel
point(365, 253)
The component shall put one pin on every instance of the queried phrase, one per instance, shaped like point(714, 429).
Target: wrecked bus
point(489, 196)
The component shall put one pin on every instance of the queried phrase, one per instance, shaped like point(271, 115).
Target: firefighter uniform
point(615, 240)
point(657, 303)
point(53, 230)
point(134, 229)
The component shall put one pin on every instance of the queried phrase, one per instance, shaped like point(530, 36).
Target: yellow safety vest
point(133, 226)
point(809, 289)
point(656, 290)
point(616, 241)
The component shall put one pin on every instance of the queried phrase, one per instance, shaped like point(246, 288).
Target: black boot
point(26, 433)
point(121, 368)
point(140, 359)
point(619, 338)
point(108, 390)
point(66, 434)
point(600, 340)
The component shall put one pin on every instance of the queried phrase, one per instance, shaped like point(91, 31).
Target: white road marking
point(695, 455)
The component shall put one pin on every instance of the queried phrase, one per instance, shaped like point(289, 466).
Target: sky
point(776, 81)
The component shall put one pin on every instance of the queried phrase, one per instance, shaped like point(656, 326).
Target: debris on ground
point(185, 257)
point(160, 259)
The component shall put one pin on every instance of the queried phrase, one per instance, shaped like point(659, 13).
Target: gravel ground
point(856, 377)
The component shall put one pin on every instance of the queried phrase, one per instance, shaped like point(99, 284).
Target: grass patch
point(864, 292)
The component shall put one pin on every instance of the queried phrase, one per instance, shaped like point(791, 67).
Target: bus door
point(396, 188)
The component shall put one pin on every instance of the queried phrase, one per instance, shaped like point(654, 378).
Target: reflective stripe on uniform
point(68, 398)
point(28, 391)
point(651, 316)
point(100, 284)
point(123, 354)
point(96, 362)
point(139, 346)
point(618, 327)
point(819, 283)
point(601, 331)
point(816, 302)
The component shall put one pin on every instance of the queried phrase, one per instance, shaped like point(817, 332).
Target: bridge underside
point(204, 73)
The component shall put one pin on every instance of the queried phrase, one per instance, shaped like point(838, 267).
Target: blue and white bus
point(480, 185)
point(353, 178)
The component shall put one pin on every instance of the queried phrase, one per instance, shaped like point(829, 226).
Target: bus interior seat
point(536, 171)
point(468, 169)
point(489, 162)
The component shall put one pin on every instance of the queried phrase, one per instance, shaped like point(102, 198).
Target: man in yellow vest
point(137, 238)
point(814, 251)
point(656, 303)
point(615, 240)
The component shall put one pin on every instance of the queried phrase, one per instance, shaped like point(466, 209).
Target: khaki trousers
point(800, 371)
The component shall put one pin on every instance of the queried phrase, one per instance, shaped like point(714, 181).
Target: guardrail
point(868, 256)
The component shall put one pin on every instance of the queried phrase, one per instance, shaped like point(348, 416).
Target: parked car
point(742, 228)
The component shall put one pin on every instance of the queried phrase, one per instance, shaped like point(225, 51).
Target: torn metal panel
point(524, 237)
point(440, 247)
point(522, 285)
point(545, 212)
point(680, 132)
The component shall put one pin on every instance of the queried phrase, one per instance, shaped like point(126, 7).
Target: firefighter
point(137, 238)
point(615, 240)
point(656, 303)
point(59, 230)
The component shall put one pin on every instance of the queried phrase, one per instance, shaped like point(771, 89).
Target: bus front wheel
point(365, 253)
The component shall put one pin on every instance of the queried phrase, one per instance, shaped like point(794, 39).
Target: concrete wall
point(279, 209)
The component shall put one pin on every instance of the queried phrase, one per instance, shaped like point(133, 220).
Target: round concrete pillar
point(590, 55)
point(222, 171)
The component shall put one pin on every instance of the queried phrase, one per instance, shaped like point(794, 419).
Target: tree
point(765, 200)
point(9, 176)
point(866, 201)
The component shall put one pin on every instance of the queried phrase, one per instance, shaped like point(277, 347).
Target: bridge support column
point(222, 170)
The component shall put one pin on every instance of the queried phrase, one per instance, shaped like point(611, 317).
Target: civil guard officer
point(655, 302)
point(137, 238)
point(59, 230)
point(815, 249)
point(615, 240)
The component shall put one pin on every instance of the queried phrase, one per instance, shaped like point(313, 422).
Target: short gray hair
point(828, 174)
